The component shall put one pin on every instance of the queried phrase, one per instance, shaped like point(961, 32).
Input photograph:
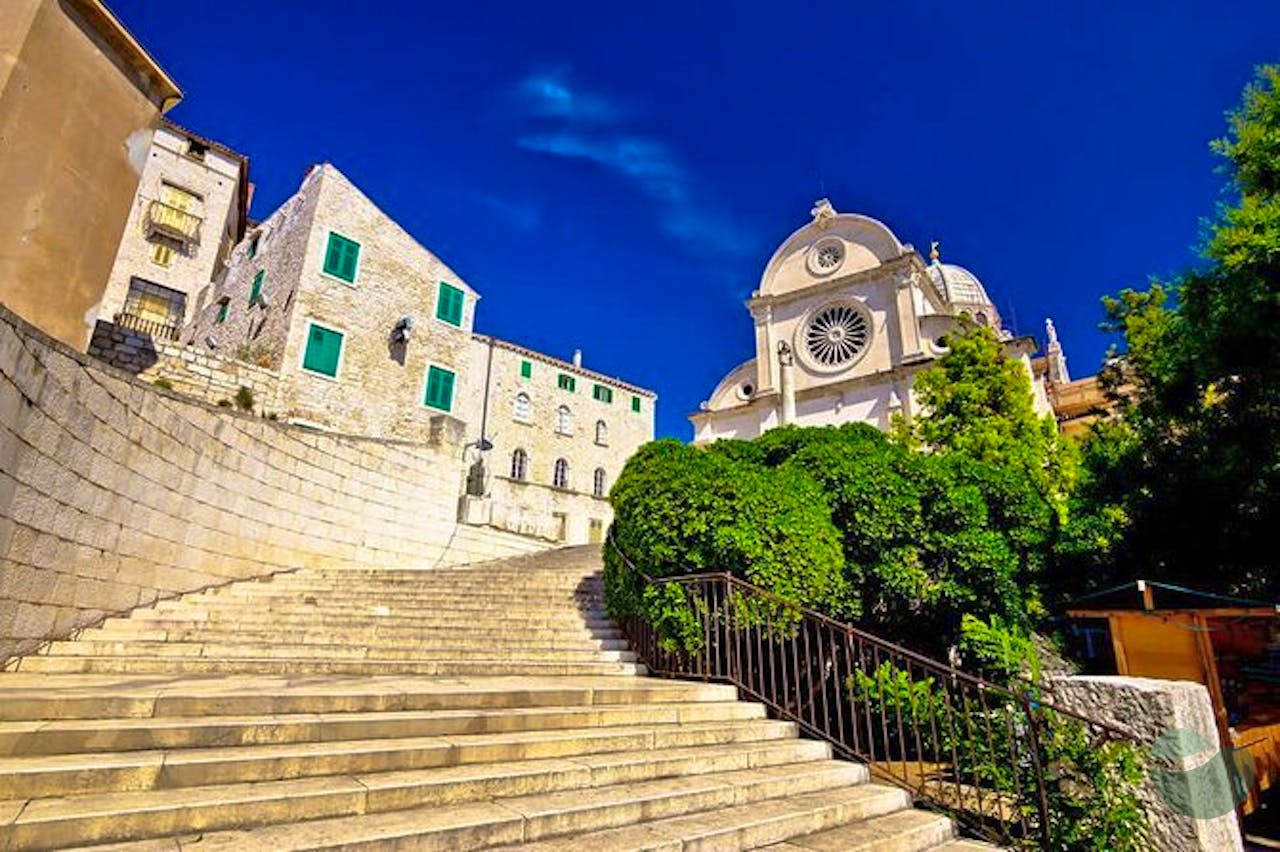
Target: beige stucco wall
point(532, 506)
point(216, 179)
point(113, 493)
point(73, 125)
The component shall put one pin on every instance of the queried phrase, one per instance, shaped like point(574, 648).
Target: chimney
point(577, 357)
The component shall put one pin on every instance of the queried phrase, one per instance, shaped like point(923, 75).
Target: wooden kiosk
point(1230, 646)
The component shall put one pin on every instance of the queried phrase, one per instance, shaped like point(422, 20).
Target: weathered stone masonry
point(114, 493)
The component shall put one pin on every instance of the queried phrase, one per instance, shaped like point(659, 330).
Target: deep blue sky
point(614, 176)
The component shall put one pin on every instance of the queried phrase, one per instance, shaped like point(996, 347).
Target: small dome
point(958, 285)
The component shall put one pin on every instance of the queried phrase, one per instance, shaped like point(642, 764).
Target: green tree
point(977, 402)
point(1200, 495)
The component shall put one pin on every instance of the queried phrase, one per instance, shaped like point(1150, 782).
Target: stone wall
point(114, 493)
point(1179, 715)
point(192, 370)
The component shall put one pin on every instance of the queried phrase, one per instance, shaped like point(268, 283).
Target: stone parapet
point(191, 370)
point(115, 493)
point(1172, 712)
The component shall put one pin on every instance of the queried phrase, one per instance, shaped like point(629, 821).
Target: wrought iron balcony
point(169, 221)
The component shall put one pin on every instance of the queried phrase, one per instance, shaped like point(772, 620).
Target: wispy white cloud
point(589, 127)
point(549, 94)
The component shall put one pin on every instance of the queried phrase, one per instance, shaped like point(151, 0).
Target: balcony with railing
point(157, 329)
point(165, 220)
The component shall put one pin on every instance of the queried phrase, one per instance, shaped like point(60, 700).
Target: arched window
point(602, 432)
point(561, 478)
point(523, 407)
point(564, 420)
point(598, 483)
point(520, 465)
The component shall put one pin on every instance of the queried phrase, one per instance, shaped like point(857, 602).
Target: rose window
point(826, 256)
point(836, 335)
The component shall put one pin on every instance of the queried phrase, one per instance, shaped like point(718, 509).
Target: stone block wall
point(191, 370)
point(1148, 711)
point(114, 493)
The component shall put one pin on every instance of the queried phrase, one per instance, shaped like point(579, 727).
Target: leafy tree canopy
point(1187, 488)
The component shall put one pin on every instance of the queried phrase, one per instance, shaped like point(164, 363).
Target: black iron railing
point(156, 329)
point(964, 745)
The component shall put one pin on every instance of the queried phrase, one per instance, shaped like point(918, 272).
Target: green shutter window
point(449, 304)
point(341, 256)
point(635, 404)
point(602, 393)
point(256, 291)
point(566, 382)
point(526, 370)
point(439, 389)
point(324, 347)
point(224, 311)
point(253, 247)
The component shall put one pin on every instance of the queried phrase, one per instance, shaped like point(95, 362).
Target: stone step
point(750, 826)
point(425, 609)
point(534, 640)
point(72, 736)
point(37, 697)
point(63, 775)
point(280, 807)
point(484, 620)
point(258, 665)
point(904, 831)
point(126, 630)
point(513, 651)
point(453, 591)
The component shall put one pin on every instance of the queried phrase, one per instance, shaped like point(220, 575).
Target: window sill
point(342, 281)
point(318, 375)
point(565, 434)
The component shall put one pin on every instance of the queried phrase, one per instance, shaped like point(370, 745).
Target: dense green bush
point(680, 510)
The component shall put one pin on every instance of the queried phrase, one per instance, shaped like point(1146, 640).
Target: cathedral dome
point(958, 285)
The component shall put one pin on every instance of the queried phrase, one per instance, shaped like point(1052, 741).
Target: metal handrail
point(964, 745)
point(173, 221)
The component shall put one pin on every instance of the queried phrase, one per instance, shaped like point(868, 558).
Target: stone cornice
point(899, 269)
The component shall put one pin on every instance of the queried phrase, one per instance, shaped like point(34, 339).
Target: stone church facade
point(845, 317)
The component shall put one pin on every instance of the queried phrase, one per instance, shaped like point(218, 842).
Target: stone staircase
point(481, 707)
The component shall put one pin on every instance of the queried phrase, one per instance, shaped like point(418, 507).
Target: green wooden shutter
point(341, 257)
point(635, 404)
point(324, 347)
point(257, 288)
point(350, 254)
point(449, 302)
point(439, 389)
point(526, 370)
point(224, 310)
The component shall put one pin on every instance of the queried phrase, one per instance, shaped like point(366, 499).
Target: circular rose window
point(835, 336)
point(826, 256)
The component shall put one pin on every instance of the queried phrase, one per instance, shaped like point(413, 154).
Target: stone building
point(369, 333)
point(559, 435)
point(845, 316)
point(79, 99)
point(188, 213)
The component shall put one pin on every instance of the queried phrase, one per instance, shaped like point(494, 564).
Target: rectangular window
point(439, 393)
point(256, 290)
point(253, 246)
point(602, 393)
point(324, 351)
point(565, 382)
point(635, 404)
point(526, 370)
point(449, 304)
point(224, 311)
point(341, 257)
point(161, 254)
